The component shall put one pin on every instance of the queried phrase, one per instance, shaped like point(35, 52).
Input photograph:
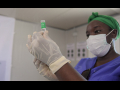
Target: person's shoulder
point(115, 66)
point(87, 60)
point(115, 62)
point(85, 63)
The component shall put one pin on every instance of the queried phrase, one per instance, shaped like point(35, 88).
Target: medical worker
point(101, 32)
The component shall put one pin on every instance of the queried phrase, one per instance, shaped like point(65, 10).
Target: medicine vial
point(43, 25)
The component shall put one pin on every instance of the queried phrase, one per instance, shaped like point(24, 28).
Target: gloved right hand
point(44, 70)
point(46, 50)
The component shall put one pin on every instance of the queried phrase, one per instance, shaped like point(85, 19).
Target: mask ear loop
point(109, 34)
point(111, 42)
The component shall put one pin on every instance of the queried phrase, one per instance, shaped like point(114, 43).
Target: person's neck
point(108, 57)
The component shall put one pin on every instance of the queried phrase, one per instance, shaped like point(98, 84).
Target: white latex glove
point(44, 70)
point(46, 50)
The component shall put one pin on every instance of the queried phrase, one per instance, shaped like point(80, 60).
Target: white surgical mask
point(97, 44)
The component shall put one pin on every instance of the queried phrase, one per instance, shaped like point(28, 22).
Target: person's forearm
point(68, 73)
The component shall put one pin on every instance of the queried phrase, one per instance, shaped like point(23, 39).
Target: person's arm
point(68, 73)
point(47, 51)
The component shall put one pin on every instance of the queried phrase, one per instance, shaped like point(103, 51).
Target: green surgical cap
point(108, 20)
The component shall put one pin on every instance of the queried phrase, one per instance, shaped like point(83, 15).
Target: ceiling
point(62, 18)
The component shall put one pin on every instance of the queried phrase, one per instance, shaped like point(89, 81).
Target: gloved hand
point(44, 70)
point(46, 50)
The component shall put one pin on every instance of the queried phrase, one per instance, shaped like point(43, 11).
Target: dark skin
point(96, 27)
point(68, 73)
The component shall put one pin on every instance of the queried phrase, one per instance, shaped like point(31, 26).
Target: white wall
point(23, 68)
point(117, 42)
point(81, 37)
point(6, 44)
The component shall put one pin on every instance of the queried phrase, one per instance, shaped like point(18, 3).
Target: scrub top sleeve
point(80, 62)
point(84, 64)
point(81, 65)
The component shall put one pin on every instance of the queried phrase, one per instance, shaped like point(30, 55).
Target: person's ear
point(114, 33)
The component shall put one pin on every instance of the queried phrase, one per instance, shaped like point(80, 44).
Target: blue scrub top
point(107, 72)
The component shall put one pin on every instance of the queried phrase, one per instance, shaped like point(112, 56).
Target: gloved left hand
point(44, 70)
point(47, 51)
